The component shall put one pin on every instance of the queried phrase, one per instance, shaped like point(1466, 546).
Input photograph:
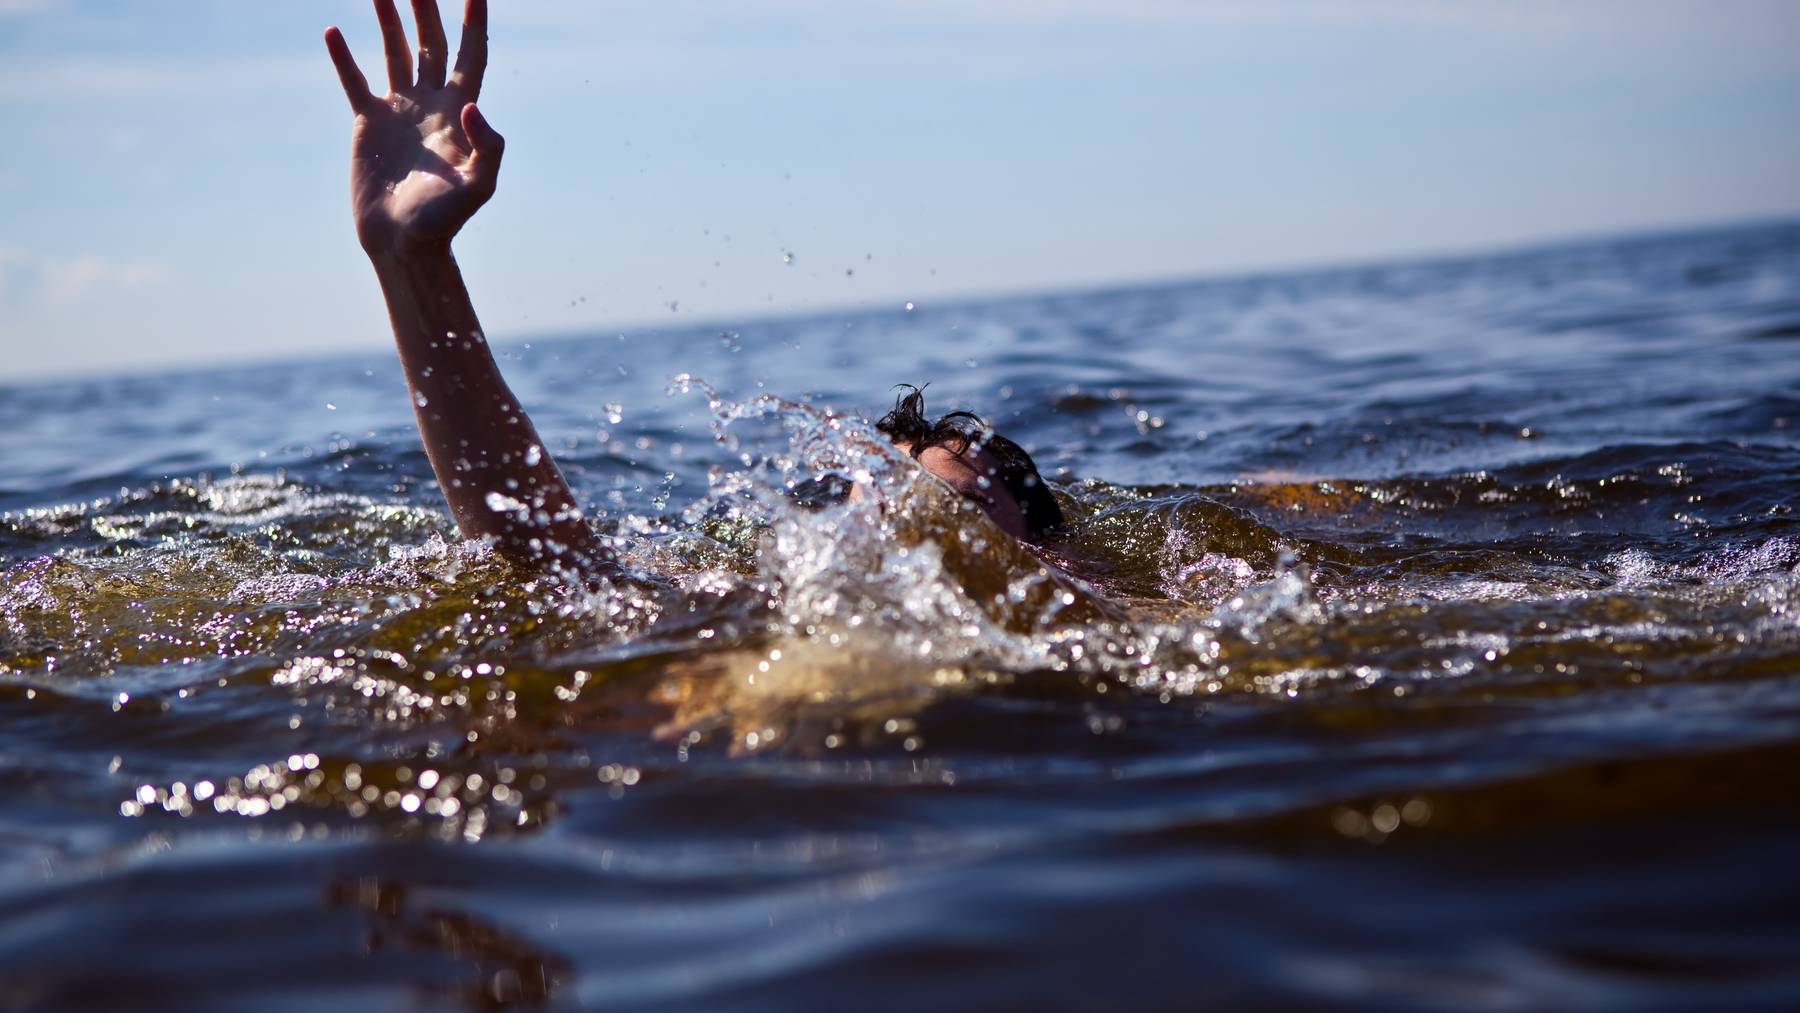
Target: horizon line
point(958, 299)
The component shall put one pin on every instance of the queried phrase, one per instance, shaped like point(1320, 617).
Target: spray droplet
point(909, 307)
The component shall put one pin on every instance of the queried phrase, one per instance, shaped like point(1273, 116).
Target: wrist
point(387, 248)
point(410, 268)
point(425, 297)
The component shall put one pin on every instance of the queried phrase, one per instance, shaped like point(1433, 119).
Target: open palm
point(422, 157)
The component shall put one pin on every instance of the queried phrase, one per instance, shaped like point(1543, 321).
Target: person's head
point(966, 452)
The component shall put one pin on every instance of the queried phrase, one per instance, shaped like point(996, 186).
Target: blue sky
point(172, 186)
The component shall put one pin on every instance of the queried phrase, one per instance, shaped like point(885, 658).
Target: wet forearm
point(499, 481)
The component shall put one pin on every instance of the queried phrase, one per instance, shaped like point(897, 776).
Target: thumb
point(488, 143)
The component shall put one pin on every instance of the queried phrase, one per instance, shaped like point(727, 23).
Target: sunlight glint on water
point(1421, 634)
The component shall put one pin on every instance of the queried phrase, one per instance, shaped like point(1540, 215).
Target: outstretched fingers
point(393, 43)
point(356, 87)
point(434, 49)
point(471, 60)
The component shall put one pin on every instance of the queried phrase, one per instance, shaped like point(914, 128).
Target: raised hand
point(422, 160)
point(422, 157)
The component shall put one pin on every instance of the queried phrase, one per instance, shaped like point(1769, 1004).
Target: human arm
point(423, 160)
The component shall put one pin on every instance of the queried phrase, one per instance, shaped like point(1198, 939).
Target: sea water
point(1424, 635)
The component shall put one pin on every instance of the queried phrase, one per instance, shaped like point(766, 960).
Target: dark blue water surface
point(1425, 636)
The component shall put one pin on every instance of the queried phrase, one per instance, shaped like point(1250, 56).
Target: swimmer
point(423, 160)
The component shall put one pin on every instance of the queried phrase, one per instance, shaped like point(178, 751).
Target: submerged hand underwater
point(727, 700)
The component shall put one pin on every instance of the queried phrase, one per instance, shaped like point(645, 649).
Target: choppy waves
point(1459, 660)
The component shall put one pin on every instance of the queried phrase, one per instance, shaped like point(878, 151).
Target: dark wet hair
point(958, 430)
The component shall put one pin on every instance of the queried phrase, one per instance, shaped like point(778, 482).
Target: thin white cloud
point(15, 7)
point(26, 278)
point(685, 39)
point(85, 78)
point(78, 277)
point(1548, 18)
point(688, 38)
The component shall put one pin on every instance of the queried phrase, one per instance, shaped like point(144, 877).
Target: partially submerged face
point(965, 453)
point(973, 473)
